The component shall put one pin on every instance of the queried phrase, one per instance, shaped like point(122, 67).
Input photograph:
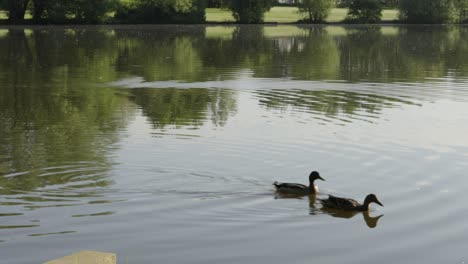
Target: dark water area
point(160, 143)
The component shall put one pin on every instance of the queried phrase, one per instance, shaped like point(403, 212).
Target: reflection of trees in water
point(331, 103)
point(371, 53)
point(185, 107)
point(56, 128)
point(434, 51)
point(362, 55)
point(248, 49)
point(51, 113)
point(407, 53)
point(162, 53)
point(314, 57)
point(412, 54)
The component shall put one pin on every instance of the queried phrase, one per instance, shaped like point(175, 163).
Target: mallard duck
point(301, 189)
point(350, 204)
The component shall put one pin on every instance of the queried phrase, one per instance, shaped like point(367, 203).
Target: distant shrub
point(365, 11)
point(385, 3)
point(249, 11)
point(316, 10)
point(3, 5)
point(160, 11)
point(461, 7)
point(429, 11)
point(215, 3)
point(390, 3)
point(55, 11)
point(92, 11)
point(71, 11)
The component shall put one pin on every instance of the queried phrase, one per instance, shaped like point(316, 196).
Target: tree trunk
point(16, 10)
point(39, 6)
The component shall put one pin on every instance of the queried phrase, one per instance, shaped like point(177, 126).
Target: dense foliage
point(69, 11)
point(96, 11)
point(385, 3)
point(462, 7)
point(215, 3)
point(244, 11)
point(365, 11)
point(161, 11)
point(16, 9)
point(316, 10)
point(249, 11)
point(434, 11)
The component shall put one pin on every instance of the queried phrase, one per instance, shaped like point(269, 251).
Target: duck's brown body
point(295, 188)
point(350, 204)
point(300, 189)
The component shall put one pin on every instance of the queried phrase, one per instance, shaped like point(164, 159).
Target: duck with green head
point(300, 189)
point(350, 204)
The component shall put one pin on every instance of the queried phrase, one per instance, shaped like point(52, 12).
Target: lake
point(161, 143)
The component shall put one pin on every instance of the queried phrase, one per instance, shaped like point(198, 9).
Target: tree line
point(244, 11)
point(370, 11)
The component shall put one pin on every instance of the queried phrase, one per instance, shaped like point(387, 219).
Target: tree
point(91, 11)
point(38, 9)
point(52, 11)
point(161, 11)
point(391, 3)
point(316, 10)
point(16, 10)
point(3, 4)
point(365, 11)
point(215, 3)
point(78, 11)
point(462, 10)
point(429, 11)
point(249, 11)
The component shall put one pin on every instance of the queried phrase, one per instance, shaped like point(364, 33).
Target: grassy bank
point(4, 15)
point(289, 15)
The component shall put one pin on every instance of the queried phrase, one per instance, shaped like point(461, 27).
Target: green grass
point(337, 15)
point(218, 15)
point(390, 14)
point(290, 15)
point(4, 15)
point(3, 33)
point(282, 15)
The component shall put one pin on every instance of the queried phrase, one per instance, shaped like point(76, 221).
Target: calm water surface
point(160, 143)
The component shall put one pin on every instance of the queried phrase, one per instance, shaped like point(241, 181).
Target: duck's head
point(372, 198)
point(315, 176)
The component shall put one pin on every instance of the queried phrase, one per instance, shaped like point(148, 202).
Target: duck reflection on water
point(316, 208)
point(371, 221)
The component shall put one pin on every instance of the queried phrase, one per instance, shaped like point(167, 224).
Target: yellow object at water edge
point(86, 257)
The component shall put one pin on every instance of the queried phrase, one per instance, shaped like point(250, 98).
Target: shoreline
point(383, 23)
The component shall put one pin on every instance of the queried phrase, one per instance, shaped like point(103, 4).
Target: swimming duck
point(296, 188)
point(350, 204)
